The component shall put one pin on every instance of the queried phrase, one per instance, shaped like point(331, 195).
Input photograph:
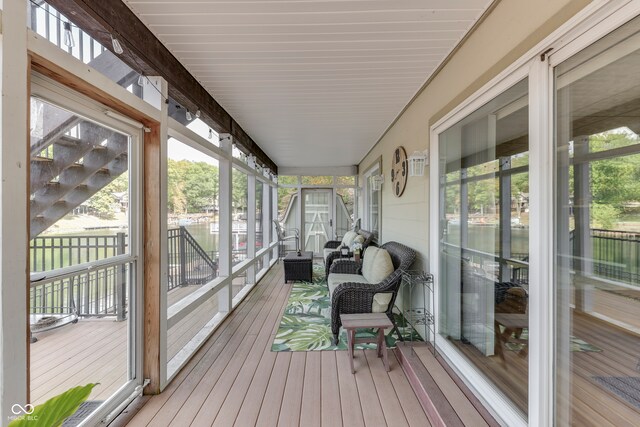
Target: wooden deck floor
point(95, 350)
point(235, 379)
point(591, 404)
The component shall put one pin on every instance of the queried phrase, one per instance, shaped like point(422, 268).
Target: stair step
point(67, 141)
point(41, 159)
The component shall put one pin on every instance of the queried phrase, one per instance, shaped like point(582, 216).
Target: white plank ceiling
point(315, 83)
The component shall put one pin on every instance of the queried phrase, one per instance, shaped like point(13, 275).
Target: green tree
point(104, 202)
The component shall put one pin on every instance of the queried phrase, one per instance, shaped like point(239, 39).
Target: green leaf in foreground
point(54, 411)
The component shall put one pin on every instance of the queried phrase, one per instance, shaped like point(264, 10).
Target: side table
point(298, 267)
point(351, 322)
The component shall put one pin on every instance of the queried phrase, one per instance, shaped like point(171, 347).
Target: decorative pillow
point(377, 264)
point(348, 237)
point(359, 239)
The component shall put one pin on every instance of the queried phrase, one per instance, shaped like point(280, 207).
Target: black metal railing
point(54, 252)
point(95, 291)
point(189, 263)
point(616, 255)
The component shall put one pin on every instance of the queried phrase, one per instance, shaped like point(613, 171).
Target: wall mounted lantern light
point(376, 182)
point(417, 162)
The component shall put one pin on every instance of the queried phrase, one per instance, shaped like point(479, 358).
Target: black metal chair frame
point(283, 238)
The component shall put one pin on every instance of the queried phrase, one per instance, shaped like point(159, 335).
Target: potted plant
point(54, 411)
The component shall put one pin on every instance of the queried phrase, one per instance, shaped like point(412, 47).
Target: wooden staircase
point(73, 158)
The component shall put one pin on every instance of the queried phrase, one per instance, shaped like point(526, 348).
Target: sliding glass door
point(484, 240)
point(84, 293)
point(597, 283)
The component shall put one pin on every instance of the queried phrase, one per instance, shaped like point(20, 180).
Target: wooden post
point(154, 363)
point(14, 201)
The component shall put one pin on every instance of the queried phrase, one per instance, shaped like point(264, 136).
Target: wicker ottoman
point(298, 267)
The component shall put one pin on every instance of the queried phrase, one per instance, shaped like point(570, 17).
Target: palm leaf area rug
point(306, 322)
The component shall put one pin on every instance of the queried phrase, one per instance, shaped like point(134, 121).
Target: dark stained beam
point(145, 53)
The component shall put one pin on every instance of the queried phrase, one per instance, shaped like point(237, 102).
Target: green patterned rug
point(306, 322)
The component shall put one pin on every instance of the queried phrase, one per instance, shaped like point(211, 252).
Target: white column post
point(541, 246)
point(14, 217)
point(156, 97)
point(225, 245)
point(251, 226)
point(266, 222)
point(274, 215)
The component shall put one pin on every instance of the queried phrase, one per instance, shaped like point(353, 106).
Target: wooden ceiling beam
point(145, 53)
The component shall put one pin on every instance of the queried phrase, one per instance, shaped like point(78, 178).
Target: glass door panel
point(597, 286)
point(82, 253)
point(484, 239)
point(318, 219)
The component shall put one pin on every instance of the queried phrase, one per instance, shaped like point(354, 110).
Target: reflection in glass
point(597, 283)
point(484, 238)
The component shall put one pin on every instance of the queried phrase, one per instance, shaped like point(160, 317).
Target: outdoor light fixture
point(188, 115)
point(210, 133)
point(117, 47)
point(417, 162)
point(376, 182)
point(68, 35)
point(251, 161)
point(141, 80)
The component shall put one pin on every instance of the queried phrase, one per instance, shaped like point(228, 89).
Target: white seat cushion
point(377, 264)
point(335, 279)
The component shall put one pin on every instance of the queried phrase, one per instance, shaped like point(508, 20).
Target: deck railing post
point(121, 282)
point(183, 257)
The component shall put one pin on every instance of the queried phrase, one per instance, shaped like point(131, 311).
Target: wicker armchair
point(357, 297)
point(335, 254)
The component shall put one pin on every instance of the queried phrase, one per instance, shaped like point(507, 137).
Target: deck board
point(330, 413)
point(292, 399)
point(273, 399)
point(238, 380)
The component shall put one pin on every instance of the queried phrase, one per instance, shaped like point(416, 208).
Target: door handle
point(331, 223)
